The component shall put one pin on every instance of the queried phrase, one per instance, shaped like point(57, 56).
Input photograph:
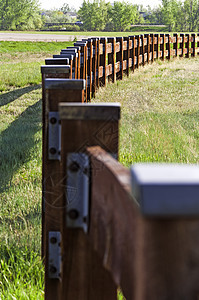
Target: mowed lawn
point(159, 122)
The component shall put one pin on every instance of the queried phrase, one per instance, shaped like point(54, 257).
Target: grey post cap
point(69, 50)
point(65, 84)
point(166, 190)
point(55, 69)
point(57, 61)
point(65, 55)
point(80, 44)
point(89, 111)
point(74, 47)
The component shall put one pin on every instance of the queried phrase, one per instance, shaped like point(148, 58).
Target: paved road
point(16, 36)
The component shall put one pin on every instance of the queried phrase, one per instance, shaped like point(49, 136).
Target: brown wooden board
point(187, 46)
point(103, 41)
point(126, 56)
point(156, 46)
point(152, 46)
point(83, 275)
point(119, 58)
point(162, 46)
point(56, 90)
point(111, 59)
point(168, 46)
point(193, 45)
point(148, 258)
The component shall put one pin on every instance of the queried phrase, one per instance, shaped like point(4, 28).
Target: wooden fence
point(106, 227)
point(98, 60)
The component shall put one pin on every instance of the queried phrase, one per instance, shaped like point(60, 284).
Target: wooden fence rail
point(104, 226)
point(98, 60)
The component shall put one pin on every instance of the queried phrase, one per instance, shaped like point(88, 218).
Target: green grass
point(159, 112)
point(32, 47)
point(159, 123)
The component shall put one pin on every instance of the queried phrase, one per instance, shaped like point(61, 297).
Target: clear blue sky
point(49, 4)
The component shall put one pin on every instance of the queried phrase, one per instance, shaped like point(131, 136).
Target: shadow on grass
point(13, 95)
point(17, 142)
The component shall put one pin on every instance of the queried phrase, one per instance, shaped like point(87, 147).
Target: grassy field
point(159, 123)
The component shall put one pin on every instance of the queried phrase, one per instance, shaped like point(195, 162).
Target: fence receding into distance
point(105, 227)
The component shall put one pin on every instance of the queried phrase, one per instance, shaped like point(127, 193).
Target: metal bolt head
point(53, 151)
point(73, 214)
point(53, 120)
point(53, 269)
point(74, 166)
point(53, 240)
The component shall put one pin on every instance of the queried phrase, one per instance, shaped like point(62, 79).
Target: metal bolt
point(73, 214)
point(74, 166)
point(53, 120)
point(53, 269)
point(53, 240)
point(52, 151)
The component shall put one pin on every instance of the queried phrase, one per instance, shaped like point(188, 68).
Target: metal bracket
point(54, 136)
point(54, 264)
point(77, 190)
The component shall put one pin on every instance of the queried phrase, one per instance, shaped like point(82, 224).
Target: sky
point(50, 4)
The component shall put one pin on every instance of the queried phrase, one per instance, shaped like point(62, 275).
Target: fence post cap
point(166, 190)
point(89, 111)
point(55, 69)
point(65, 84)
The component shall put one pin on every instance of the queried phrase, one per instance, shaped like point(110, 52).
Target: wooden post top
point(57, 61)
point(90, 111)
point(65, 84)
point(166, 190)
point(55, 69)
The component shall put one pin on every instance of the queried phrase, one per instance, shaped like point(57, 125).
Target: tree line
point(97, 15)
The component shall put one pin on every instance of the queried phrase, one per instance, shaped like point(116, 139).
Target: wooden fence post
point(89, 68)
point(198, 43)
point(56, 90)
point(162, 46)
point(95, 68)
point(156, 46)
point(83, 274)
point(168, 46)
point(111, 60)
point(102, 80)
point(78, 59)
point(175, 45)
point(182, 45)
point(152, 47)
point(83, 69)
point(147, 47)
point(137, 51)
point(119, 58)
point(132, 52)
point(54, 72)
point(126, 55)
point(193, 45)
point(187, 45)
point(142, 49)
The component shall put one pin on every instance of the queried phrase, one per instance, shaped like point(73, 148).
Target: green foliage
point(122, 15)
point(19, 15)
point(180, 15)
point(93, 15)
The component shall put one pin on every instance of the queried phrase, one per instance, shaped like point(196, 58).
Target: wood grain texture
point(148, 258)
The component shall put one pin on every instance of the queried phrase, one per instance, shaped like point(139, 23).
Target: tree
point(16, 14)
point(191, 14)
point(123, 15)
point(93, 15)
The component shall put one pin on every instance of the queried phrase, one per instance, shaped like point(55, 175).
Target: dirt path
point(15, 36)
